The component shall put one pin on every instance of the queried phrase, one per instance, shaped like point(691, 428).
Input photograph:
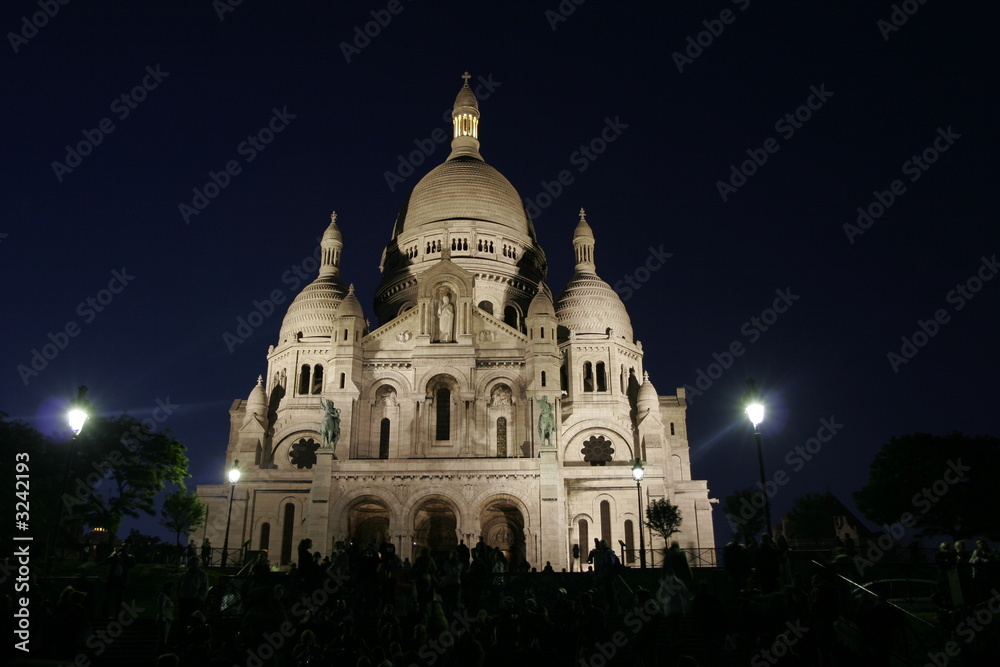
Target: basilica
point(480, 407)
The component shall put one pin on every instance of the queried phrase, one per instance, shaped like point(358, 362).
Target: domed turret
point(647, 398)
point(541, 305)
point(256, 402)
point(587, 304)
point(312, 312)
point(350, 306)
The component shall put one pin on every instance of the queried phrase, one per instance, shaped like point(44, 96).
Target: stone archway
point(435, 527)
point(502, 526)
point(368, 522)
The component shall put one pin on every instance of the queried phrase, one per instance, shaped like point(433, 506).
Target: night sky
point(744, 138)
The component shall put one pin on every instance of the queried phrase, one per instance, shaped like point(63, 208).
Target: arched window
point(543, 332)
point(383, 439)
point(304, 380)
point(672, 428)
point(343, 380)
point(584, 542)
point(502, 437)
point(543, 378)
point(287, 530)
point(317, 383)
point(629, 542)
point(511, 317)
point(563, 378)
point(602, 378)
point(265, 536)
point(486, 305)
point(606, 521)
point(621, 385)
point(257, 455)
point(442, 401)
point(588, 376)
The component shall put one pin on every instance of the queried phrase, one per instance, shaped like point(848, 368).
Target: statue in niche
point(330, 429)
point(546, 421)
point(386, 399)
point(446, 320)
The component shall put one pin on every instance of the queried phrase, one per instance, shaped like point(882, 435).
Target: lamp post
point(77, 416)
point(755, 411)
point(637, 472)
point(234, 476)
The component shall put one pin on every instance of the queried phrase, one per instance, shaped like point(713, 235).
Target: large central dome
point(464, 188)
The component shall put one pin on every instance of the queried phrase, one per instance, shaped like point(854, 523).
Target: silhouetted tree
point(745, 512)
point(182, 512)
point(663, 518)
point(811, 517)
point(947, 484)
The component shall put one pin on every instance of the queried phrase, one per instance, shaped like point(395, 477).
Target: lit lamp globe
point(77, 417)
point(637, 470)
point(755, 411)
point(234, 474)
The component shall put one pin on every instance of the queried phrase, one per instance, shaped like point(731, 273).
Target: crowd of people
point(481, 606)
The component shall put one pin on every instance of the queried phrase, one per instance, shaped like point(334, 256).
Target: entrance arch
point(502, 526)
point(435, 527)
point(368, 521)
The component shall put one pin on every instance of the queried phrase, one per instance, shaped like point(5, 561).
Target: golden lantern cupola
point(465, 121)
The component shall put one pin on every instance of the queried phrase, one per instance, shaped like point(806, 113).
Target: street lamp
point(234, 476)
point(77, 416)
point(755, 411)
point(637, 472)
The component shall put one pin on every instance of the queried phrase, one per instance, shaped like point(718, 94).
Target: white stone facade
point(442, 432)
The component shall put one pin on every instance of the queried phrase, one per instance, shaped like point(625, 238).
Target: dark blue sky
point(867, 99)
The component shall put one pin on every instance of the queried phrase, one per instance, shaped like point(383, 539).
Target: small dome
point(314, 309)
point(588, 305)
point(256, 402)
point(466, 98)
point(541, 305)
point(350, 306)
point(647, 397)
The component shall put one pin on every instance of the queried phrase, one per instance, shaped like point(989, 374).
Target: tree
point(811, 517)
point(182, 512)
point(663, 518)
point(118, 469)
point(940, 485)
point(745, 512)
point(28, 452)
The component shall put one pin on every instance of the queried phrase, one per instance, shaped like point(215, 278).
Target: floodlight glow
point(77, 418)
point(755, 411)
